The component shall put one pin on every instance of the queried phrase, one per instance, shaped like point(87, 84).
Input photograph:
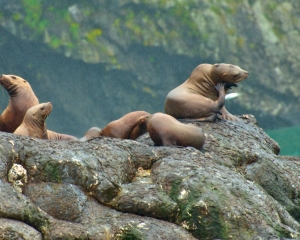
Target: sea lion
point(196, 98)
point(33, 124)
point(165, 130)
point(21, 98)
point(93, 132)
point(59, 136)
point(130, 126)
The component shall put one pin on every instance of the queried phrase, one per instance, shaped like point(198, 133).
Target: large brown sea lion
point(197, 97)
point(130, 126)
point(33, 124)
point(21, 98)
point(165, 130)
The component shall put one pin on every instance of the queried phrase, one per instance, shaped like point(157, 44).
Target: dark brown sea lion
point(93, 132)
point(33, 124)
point(197, 97)
point(130, 126)
point(59, 136)
point(21, 98)
point(165, 130)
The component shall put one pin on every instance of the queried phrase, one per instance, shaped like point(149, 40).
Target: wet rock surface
point(237, 187)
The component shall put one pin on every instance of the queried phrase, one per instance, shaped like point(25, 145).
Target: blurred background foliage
point(97, 60)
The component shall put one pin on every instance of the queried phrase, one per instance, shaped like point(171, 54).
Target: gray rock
point(236, 187)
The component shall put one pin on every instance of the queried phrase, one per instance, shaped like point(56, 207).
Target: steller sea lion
point(33, 124)
point(130, 126)
point(196, 98)
point(166, 130)
point(93, 132)
point(21, 98)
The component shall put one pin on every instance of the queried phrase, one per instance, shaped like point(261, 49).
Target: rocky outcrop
point(237, 187)
point(132, 53)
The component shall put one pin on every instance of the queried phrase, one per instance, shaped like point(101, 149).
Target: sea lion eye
point(13, 77)
point(42, 108)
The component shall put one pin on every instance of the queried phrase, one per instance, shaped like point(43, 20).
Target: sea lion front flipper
point(229, 85)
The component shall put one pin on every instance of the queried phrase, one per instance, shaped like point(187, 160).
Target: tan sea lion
point(33, 124)
point(197, 98)
point(130, 126)
point(21, 98)
point(93, 132)
point(59, 136)
point(165, 130)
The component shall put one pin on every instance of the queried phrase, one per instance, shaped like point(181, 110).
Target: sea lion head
point(39, 112)
point(228, 73)
point(12, 83)
point(93, 132)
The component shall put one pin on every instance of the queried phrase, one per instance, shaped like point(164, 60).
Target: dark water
point(288, 140)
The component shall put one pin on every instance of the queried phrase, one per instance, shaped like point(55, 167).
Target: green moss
point(93, 34)
point(75, 31)
point(55, 42)
point(52, 172)
point(278, 32)
point(269, 9)
point(33, 13)
point(35, 218)
point(241, 42)
point(252, 45)
point(17, 17)
point(175, 189)
point(205, 222)
point(181, 10)
point(130, 233)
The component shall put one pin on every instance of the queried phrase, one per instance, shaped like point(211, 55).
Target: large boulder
point(237, 187)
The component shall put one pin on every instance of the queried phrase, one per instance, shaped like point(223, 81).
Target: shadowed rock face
point(236, 187)
point(117, 57)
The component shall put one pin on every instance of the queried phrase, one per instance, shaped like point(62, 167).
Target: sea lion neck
point(34, 121)
point(203, 80)
point(12, 90)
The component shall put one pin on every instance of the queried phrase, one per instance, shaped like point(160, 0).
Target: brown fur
point(130, 126)
point(91, 133)
point(197, 98)
point(165, 130)
point(21, 98)
point(59, 136)
point(33, 124)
